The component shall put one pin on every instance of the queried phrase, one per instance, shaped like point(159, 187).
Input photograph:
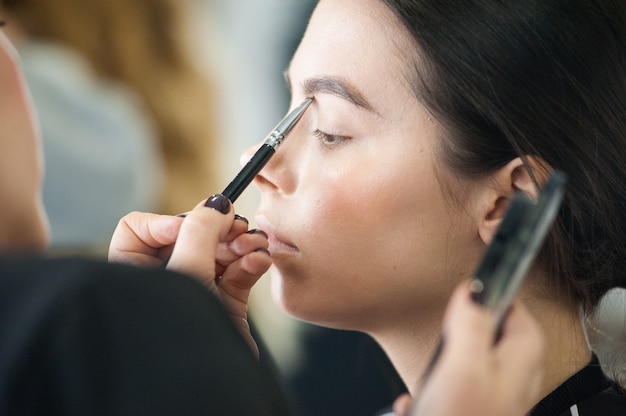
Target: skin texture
point(24, 222)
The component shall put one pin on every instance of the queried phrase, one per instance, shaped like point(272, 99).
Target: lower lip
point(279, 246)
point(276, 245)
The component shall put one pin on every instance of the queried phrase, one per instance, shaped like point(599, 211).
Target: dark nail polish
point(263, 250)
point(218, 202)
point(242, 218)
point(257, 231)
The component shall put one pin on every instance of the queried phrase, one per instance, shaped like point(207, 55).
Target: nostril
point(261, 181)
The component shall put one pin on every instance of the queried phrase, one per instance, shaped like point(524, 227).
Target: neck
point(567, 348)
point(411, 344)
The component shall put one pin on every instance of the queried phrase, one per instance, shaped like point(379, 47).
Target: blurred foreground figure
point(125, 113)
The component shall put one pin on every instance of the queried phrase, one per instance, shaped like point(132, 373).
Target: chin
point(290, 299)
point(294, 301)
point(280, 295)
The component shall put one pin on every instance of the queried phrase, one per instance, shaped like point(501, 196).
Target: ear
point(506, 181)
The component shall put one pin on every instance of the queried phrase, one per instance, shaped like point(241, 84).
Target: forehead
point(360, 40)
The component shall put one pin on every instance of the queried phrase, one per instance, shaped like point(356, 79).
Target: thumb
point(468, 326)
point(196, 247)
point(139, 237)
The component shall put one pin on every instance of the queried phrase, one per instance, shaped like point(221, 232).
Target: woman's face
point(23, 223)
point(359, 229)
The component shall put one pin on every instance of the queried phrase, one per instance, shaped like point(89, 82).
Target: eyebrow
point(334, 86)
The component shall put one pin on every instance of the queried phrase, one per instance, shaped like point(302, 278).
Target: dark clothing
point(345, 373)
point(587, 393)
point(79, 337)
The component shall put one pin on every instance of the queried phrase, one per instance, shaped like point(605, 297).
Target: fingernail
point(257, 231)
point(263, 250)
point(242, 218)
point(218, 202)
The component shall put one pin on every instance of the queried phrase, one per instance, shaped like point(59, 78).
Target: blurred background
point(147, 105)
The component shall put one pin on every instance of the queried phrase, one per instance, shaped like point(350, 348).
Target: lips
point(278, 244)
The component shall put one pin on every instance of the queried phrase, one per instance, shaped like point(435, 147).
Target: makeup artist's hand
point(474, 378)
point(212, 245)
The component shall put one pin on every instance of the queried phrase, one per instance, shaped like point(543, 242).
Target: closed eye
point(329, 139)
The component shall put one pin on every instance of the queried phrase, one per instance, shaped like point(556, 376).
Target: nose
point(278, 175)
point(247, 154)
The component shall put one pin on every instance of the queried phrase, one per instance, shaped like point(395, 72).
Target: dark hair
point(543, 78)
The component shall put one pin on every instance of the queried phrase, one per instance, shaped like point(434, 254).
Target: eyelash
point(329, 139)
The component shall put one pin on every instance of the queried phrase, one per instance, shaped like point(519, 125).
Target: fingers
point(467, 325)
point(242, 244)
point(523, 339)
point(240, 226)
point(140, 237)
point(210, 243)
point(521, 331)
point(472, 370)
point(240, 276)
point(470, 329)
point(214, 243)
point(241, 263)
point(196, 247)
point(252, 260)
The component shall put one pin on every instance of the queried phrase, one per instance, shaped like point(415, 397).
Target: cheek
point(373, 202)
point(368, 239)
point(349, 205)
point(340, 217)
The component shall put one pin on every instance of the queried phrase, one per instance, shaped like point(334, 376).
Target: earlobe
point(511, 178)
